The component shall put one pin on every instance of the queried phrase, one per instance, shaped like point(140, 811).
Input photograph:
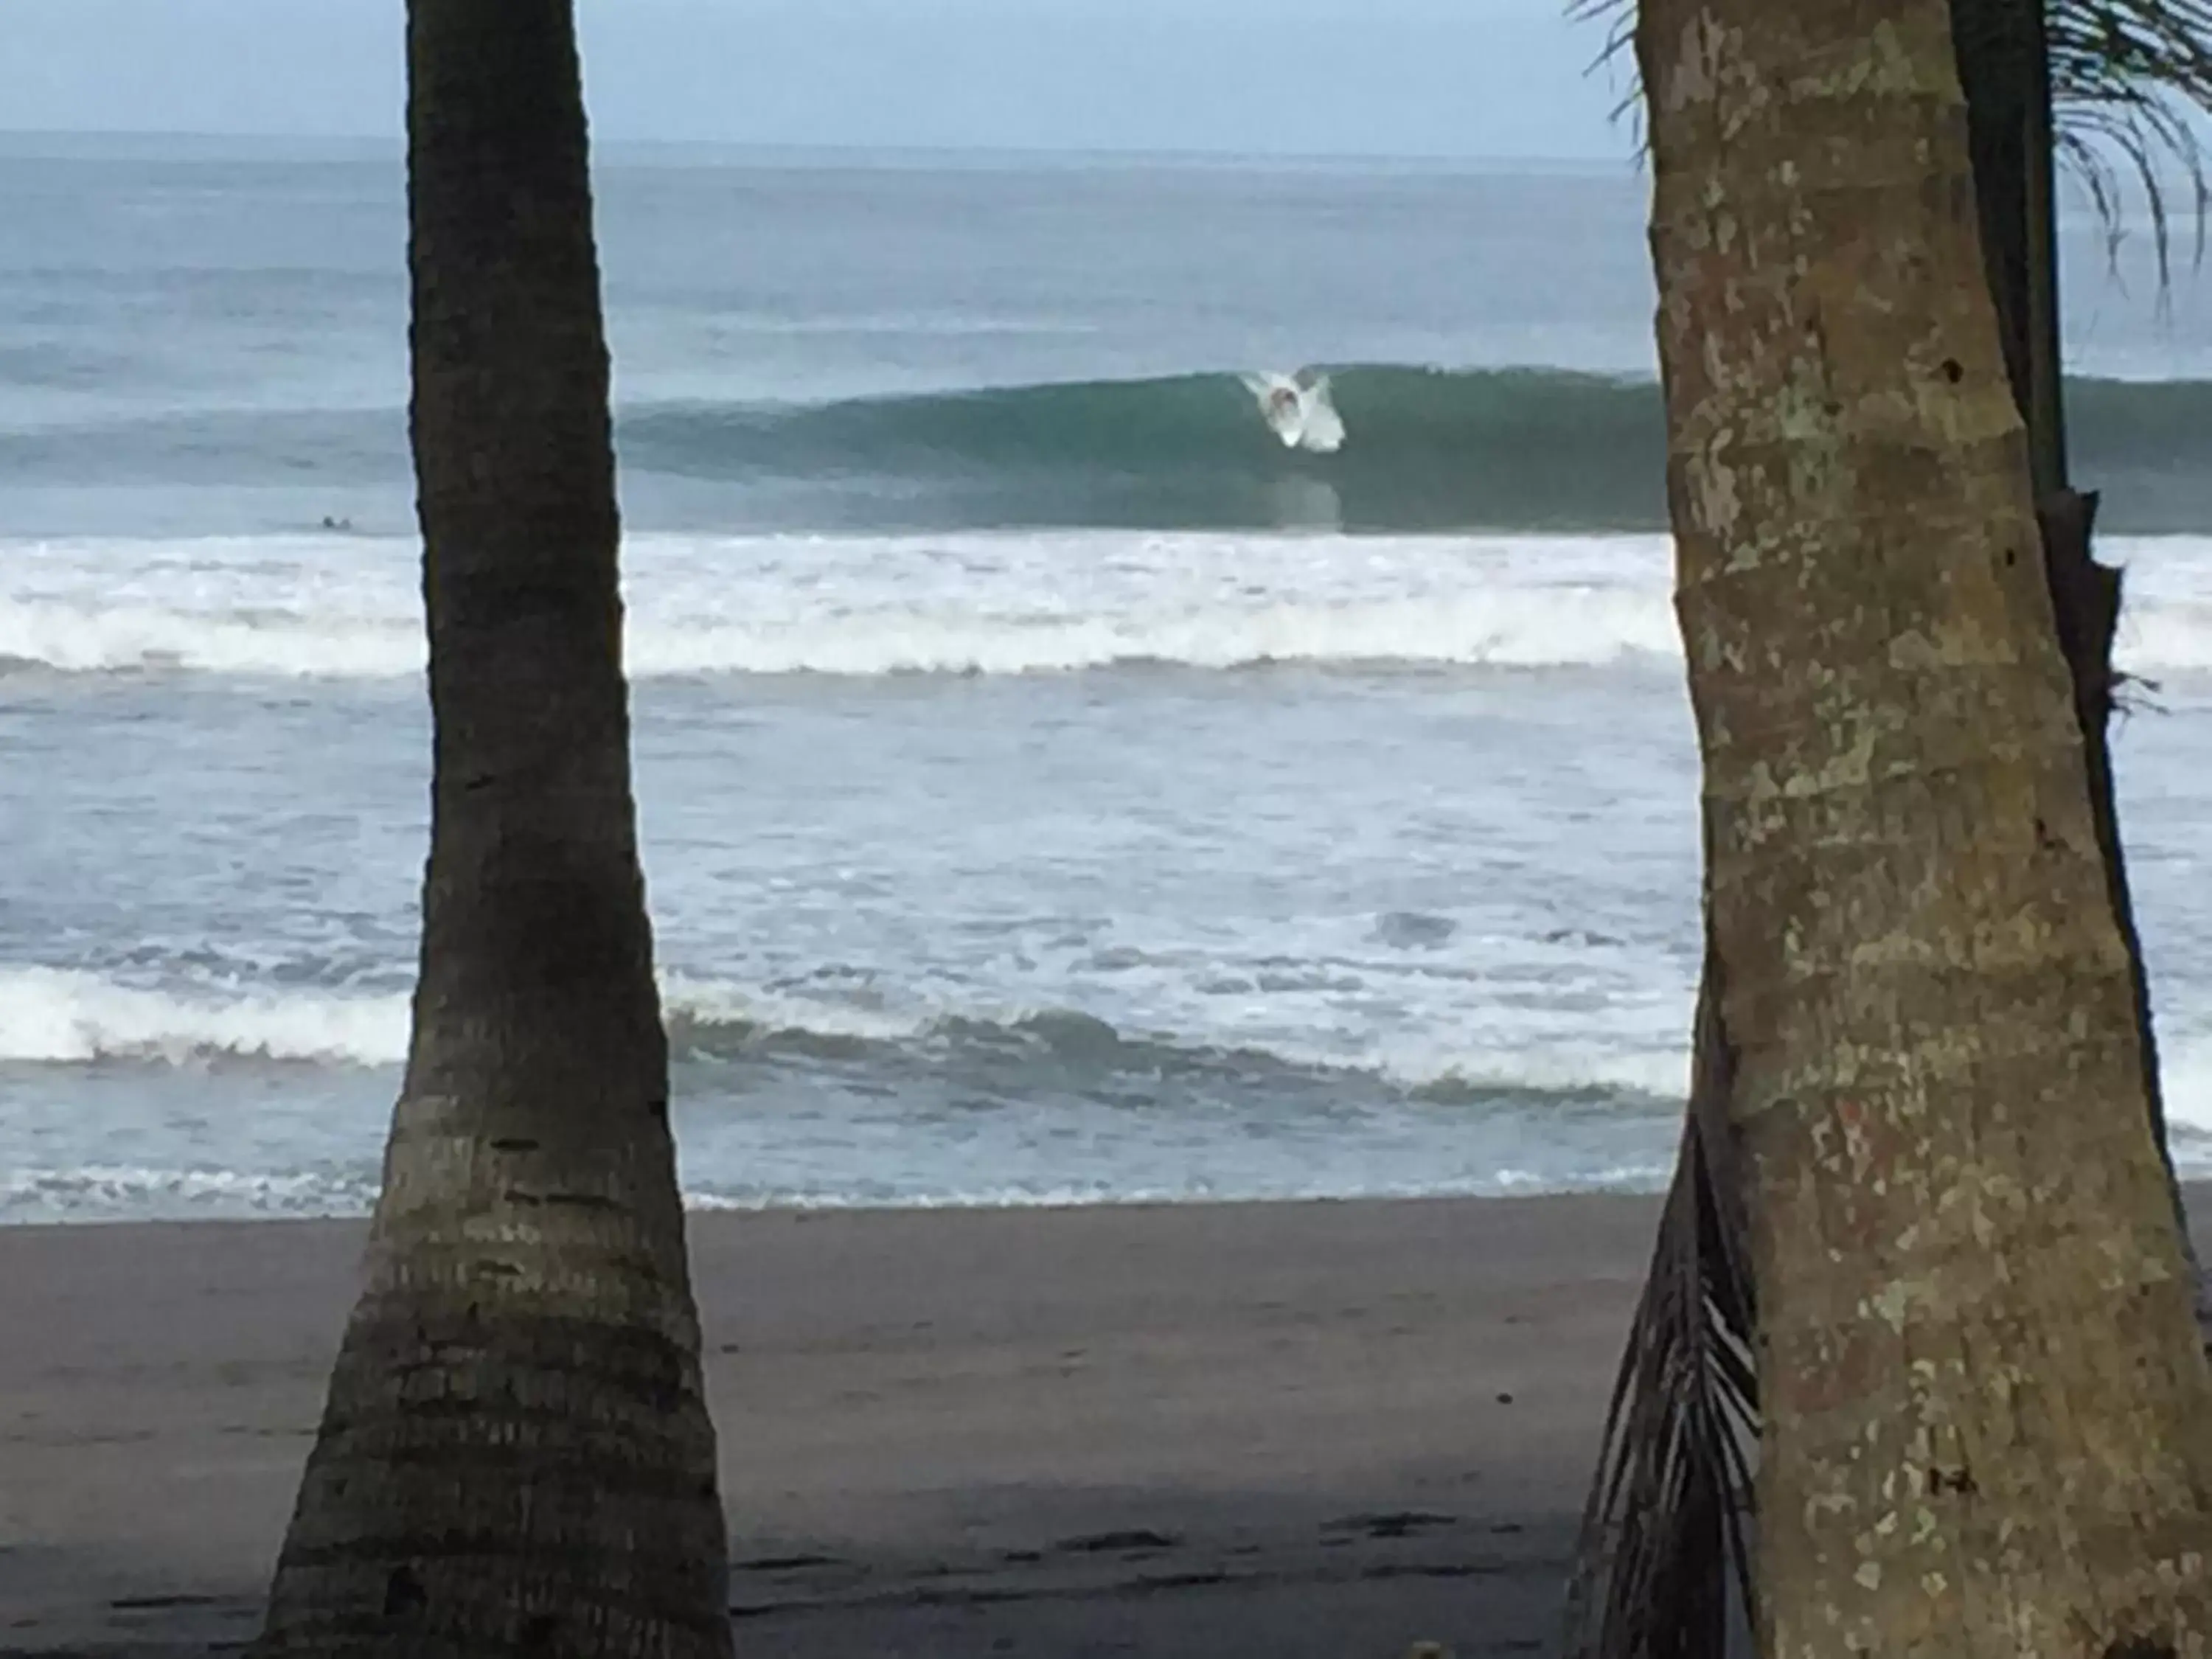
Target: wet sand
point(1290, 1430)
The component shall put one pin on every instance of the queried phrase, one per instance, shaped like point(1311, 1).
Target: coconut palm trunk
point(1985, 1425)
point(515, 1457)
point(2004, 58)
point(1663, 1570)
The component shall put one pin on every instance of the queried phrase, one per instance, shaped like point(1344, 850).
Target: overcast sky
point(1408, 77)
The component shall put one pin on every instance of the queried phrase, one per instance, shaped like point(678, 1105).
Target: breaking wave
point(1425, 451)
point(62, 1017)
point(346, 609)
point(1563, 626)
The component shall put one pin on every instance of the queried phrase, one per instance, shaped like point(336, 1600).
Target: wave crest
point(305, 607)
point(65, 1016)
point(1431, 451)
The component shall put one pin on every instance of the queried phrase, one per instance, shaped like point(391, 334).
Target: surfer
point(1298, 410)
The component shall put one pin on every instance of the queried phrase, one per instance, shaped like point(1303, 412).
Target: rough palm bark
point(2003, 51)
point(1670, 1511)
point(1985, 1424)
point(515, 1456)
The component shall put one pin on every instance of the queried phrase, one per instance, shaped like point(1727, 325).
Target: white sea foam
point(2186, 1072)
point(2167, 638)
point(54, 1016)
point(62, 1016)
point(689, 1003)
point(1556, 629)
point(59, 1017)
point(78, 640)
point(309, 1147)
point(120, 1192)
point(1068, 1149)
point(346, 607)
point(135, 1192)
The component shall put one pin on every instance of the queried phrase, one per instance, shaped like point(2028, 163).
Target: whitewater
point(1054, 787)
point(995, 867)
point(347, 607)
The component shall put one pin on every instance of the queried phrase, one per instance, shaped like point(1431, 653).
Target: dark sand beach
point(1290, 1430)
point(1284, 1429)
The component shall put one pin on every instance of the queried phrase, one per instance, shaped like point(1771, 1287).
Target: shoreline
point(1320, 1427)
point(1312, 1429)
point(712, 1210)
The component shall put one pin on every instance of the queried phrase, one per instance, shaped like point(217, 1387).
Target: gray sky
point(1411, 77)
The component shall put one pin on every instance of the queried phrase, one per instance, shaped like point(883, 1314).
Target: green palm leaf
point(2132, 83)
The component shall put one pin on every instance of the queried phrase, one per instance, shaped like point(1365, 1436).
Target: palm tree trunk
point(1670, 1509)
point(2003, 52)
point(2003, 56)
point(1984, 1415)
point(516, 1457)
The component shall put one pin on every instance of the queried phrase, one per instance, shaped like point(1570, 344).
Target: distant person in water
point(330, 523)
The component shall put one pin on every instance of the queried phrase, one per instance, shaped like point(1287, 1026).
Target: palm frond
point(1663, 1567)
point(2132, 83)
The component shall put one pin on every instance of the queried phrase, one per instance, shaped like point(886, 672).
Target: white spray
point(1298, 409)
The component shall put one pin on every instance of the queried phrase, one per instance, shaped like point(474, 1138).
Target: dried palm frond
point(1664, 1562)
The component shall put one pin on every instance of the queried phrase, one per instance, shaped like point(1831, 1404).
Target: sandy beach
point(1325, 1429)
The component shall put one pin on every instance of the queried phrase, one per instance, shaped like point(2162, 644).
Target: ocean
point(1053, 790)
